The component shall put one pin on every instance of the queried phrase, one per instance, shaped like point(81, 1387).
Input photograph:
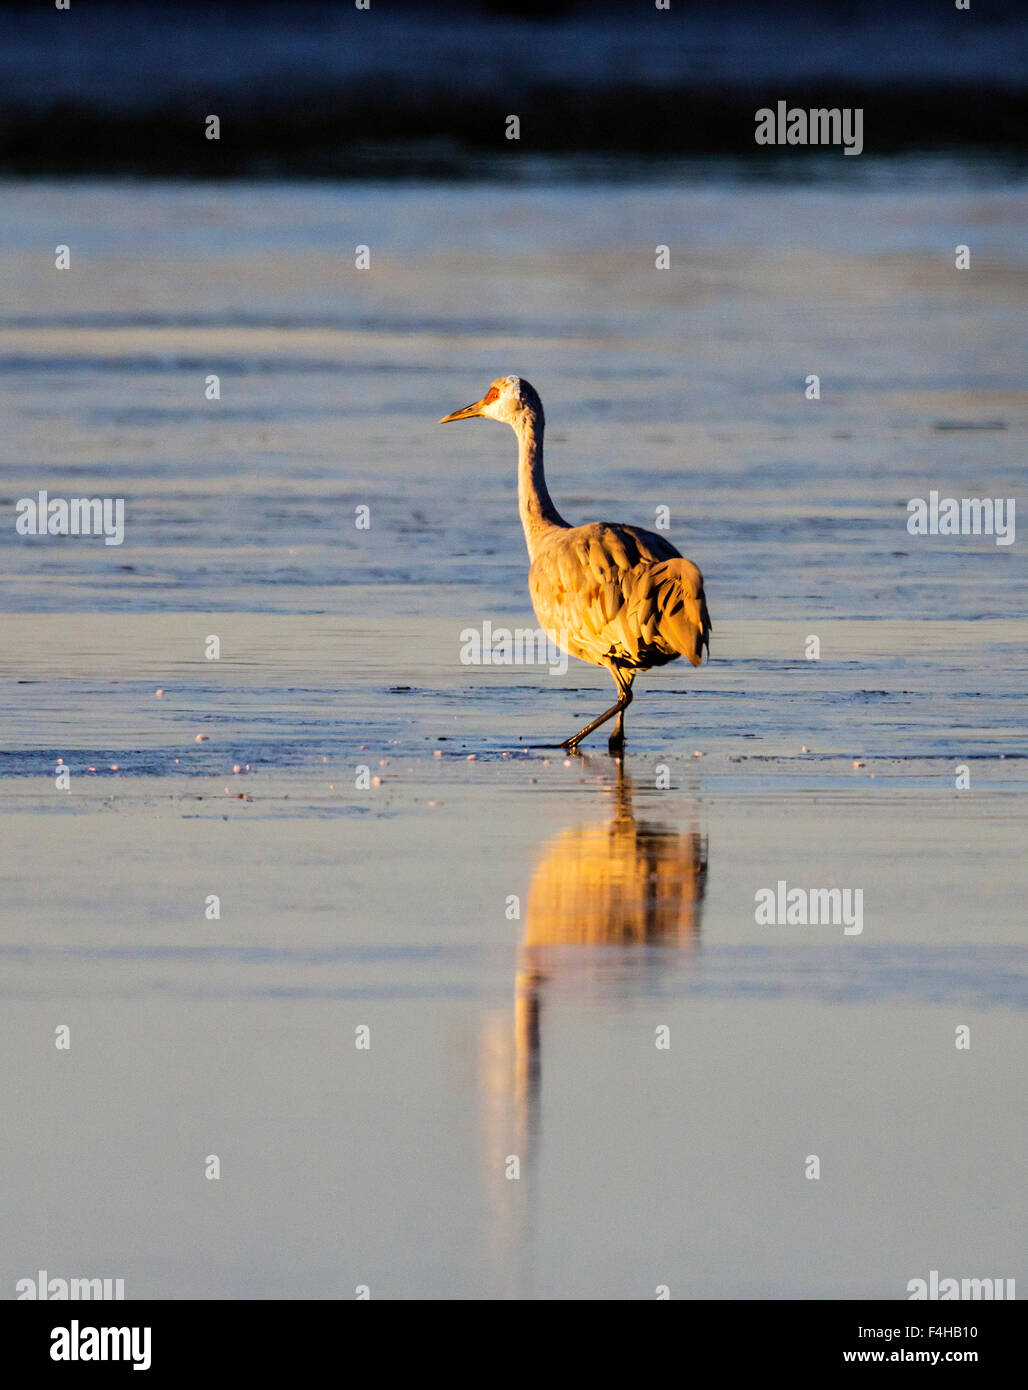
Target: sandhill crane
point(614, 595)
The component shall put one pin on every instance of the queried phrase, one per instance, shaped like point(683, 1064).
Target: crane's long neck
point(538, 514)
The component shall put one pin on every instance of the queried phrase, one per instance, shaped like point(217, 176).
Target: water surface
point(514, 927)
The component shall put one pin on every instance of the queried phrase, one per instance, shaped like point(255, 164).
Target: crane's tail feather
point(681, 620)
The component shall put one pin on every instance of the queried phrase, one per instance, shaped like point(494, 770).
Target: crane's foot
point(570, 745)
point(616, 742)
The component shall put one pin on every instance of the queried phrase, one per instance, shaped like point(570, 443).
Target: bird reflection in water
point(626, 883)
point(608, 902)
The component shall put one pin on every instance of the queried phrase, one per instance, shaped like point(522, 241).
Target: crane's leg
point(623, 679)
point(616, 742)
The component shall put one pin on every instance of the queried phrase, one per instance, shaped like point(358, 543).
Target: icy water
point(513, 927)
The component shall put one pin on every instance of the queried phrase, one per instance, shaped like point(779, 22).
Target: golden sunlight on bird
point(614, 595)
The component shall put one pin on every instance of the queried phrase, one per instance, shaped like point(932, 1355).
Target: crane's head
point(507, 398)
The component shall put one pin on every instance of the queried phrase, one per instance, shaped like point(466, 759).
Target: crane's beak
point(468, 413)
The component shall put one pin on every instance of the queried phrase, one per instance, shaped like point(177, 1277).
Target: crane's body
point(613, 595)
